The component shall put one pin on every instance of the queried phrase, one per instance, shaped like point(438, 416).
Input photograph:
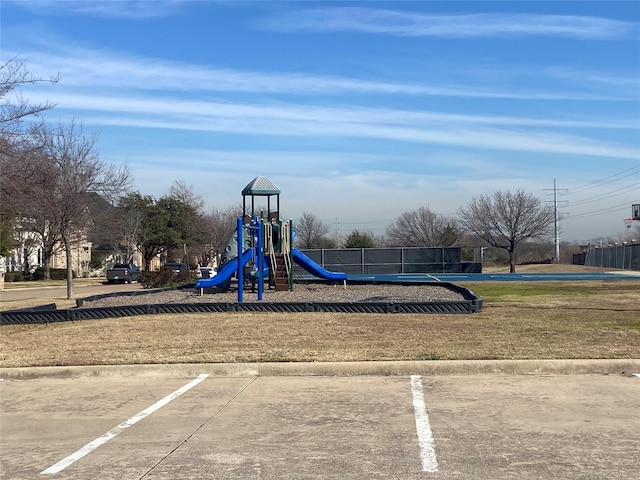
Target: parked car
point(123, 272)
point(176, 267)
point(206, 272)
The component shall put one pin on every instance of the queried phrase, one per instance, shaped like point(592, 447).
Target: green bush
point(56, 274)
point(14, 277)
point(164, 278)
point(155, 279)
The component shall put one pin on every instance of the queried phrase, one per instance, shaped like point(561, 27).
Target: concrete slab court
point(299, 427)
point(98, 442)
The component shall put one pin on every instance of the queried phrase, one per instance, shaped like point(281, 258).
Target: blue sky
point(358, 111)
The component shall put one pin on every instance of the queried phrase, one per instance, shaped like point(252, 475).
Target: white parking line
point(423, 428)
point(91, 446)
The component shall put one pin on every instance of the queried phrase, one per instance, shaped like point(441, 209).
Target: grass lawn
point(519, 320)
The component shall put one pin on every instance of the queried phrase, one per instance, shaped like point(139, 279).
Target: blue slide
point(313, 268)
point(226, 272)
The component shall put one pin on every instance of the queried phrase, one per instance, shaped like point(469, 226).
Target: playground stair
point(280, 277)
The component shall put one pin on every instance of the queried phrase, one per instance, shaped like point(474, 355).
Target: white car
point(206, 272)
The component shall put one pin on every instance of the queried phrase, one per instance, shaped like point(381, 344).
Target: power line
point(610, 190)
point(595, 213)
point(615, 193)
point(629, 172)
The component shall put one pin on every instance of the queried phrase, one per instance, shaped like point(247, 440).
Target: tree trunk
point(67, 249)
point(512, 262)
point(147, 262)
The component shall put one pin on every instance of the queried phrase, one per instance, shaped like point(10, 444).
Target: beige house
point(28, 254)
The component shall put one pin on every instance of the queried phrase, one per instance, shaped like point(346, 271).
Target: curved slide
point(313, 268)
point(226, 272)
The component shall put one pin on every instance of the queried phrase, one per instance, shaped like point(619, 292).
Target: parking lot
point(294, 427)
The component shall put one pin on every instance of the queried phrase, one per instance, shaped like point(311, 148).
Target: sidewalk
point(77, 282)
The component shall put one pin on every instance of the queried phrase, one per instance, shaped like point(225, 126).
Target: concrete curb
point(388, 368)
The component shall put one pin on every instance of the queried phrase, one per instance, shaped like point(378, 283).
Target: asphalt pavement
point(328, 422)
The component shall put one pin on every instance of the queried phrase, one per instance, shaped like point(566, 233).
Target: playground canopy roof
point(261, 186)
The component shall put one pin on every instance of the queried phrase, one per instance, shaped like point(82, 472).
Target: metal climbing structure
point(262, 247)
point(276, 234)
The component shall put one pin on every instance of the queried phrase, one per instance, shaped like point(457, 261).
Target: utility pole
point(556, 216)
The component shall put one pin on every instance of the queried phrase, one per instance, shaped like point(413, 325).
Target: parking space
point(483, 426)
point(536, 427)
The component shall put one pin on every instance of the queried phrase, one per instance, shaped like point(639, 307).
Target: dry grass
point(518, 321)
point(61, 303)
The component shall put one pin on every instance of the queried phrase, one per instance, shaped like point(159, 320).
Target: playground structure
point(262, 248)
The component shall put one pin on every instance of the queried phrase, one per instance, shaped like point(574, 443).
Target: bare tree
point(311, 232)
point(145, 224)
point(506, 219)
point(27, 177)
point(14, 75)
point(184, 193)
point(219, 225)
point(10, 176)
point(13, 171)
point(424, 228)
point(75, 171)
point(198, 245)
point(131, 212)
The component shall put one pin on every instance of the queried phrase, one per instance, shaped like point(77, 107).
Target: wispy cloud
point(413, 24)
point(464, 131)
point(101, 8)
point(150, 93)
point(80, 67)
point(626, 85)
point(299, 112)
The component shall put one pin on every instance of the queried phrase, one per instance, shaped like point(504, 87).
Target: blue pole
point(240, 267)
point(260, 254)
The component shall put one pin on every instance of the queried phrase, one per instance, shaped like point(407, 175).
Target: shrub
point(164, 278)
point(185, 276)
point(56, 274)
point(14, 277)
point(155, 279)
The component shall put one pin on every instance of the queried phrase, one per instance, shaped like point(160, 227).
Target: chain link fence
point(398, 260)
point(622, 256)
